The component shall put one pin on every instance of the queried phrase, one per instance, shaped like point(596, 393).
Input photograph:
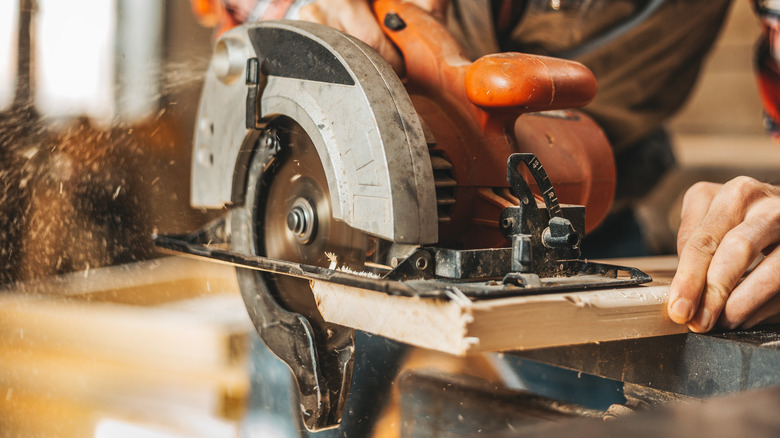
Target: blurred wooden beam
point(127, 356)
point(23, 415)
point(159, 337)
point(146, 283)
point(165, 339)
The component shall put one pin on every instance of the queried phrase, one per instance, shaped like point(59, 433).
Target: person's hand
point(356, 18)
point(724, 229)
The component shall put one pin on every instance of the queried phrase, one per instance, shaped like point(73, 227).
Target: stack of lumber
point(153, 349)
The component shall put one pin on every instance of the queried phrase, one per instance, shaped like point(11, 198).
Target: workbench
point(735, 374)
point(677, 367)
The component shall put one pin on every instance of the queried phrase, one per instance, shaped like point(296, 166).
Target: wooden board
point(147, 283)
point(162, 337)
point(464, 326)
point(145, 348)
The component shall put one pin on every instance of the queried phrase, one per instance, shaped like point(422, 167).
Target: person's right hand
point(724, 228)
point(356, 18)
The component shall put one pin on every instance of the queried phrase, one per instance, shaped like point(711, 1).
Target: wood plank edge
point(515, 323)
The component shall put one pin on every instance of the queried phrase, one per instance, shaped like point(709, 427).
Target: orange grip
point(533, 83)
point(212, 13)
point(507, 81)
point(208, 12)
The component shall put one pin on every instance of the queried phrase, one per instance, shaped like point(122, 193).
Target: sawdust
point(75, 196)
point(360, 273)
point(333, 260)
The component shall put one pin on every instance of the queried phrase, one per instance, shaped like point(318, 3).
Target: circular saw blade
point(297, 223)
point(287, 216)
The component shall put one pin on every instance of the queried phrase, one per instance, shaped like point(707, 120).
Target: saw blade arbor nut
point(302, 220)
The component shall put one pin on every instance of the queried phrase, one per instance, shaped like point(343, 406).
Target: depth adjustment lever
point(540, 236)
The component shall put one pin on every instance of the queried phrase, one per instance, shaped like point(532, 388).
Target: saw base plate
point(416, 275)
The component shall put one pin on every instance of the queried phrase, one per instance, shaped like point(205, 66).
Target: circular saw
point(335, 168)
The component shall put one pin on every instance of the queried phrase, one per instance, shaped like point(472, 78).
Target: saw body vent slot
point(445, 182)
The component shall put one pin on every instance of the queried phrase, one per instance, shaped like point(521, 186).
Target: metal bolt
point(507, 223)
point(302, 220)
point(271, 140)
point(296, 220)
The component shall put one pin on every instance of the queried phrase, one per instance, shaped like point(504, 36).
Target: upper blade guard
point(349, 102)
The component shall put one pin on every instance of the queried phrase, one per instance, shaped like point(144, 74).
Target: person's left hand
point(724, 228)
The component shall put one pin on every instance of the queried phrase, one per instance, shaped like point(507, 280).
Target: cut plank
point(462, 326)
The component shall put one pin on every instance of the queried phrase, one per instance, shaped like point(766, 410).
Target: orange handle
point(212, 13)
point(515, 81)
point(533, 83)
point(208, 12)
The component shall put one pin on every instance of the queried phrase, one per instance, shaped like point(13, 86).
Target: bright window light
point(9, 33)
point(183, 424)
point(108, 428)
point(74, 58)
